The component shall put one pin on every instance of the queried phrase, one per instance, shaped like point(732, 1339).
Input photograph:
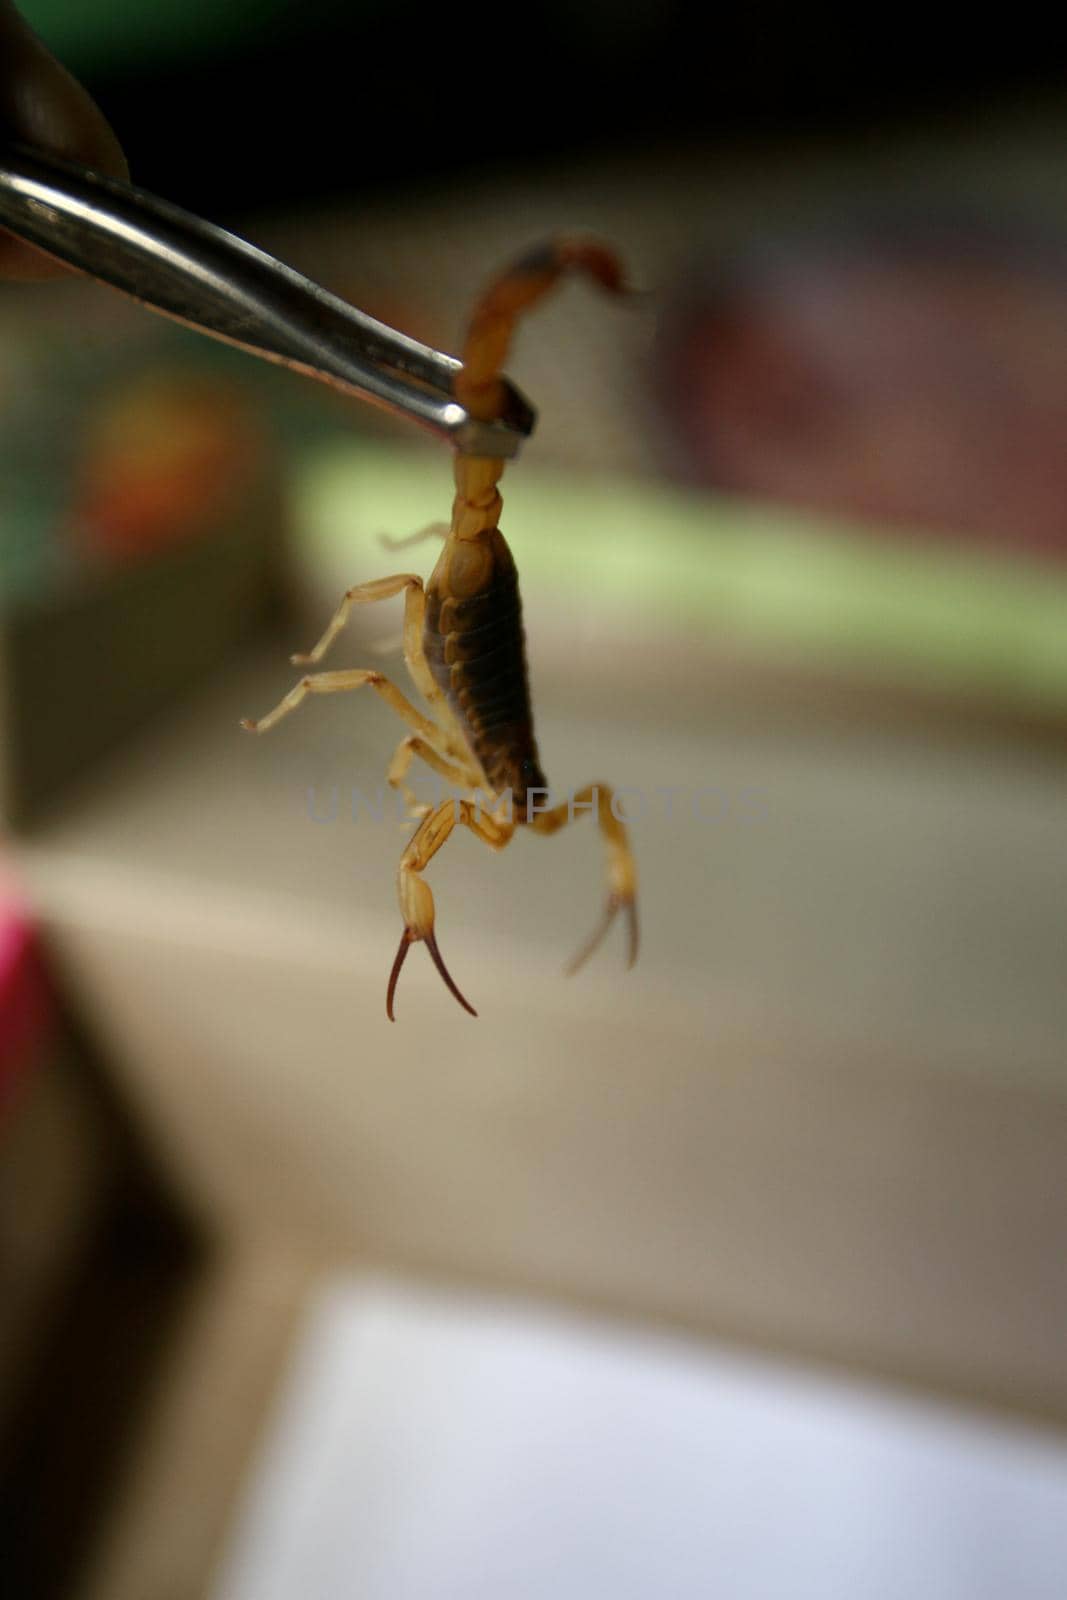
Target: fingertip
point(43, 106)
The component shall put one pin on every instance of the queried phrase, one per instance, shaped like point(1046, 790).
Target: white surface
point(430, 1448)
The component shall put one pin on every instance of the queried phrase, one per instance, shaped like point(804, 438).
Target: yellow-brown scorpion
point(465, 651)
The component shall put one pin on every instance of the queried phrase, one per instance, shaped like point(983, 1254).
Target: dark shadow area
point(331, 103)
point(96, 1360)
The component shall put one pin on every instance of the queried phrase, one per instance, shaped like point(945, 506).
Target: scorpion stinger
point(465, 650)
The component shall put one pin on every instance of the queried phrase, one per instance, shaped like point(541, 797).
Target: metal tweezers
point(213, 281)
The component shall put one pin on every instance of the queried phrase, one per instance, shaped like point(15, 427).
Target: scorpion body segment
point(475, 648)
point(465, 649)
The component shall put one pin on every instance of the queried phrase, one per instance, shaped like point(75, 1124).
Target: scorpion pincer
point(465, 650)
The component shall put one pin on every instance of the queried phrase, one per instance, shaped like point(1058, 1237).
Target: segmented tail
point(509, 297)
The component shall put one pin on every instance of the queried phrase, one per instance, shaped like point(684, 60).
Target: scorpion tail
point(516, 291)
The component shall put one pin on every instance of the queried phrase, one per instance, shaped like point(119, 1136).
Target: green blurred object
point(82, 669)
point(671, 564)
point(94, 34)
point(142, 516)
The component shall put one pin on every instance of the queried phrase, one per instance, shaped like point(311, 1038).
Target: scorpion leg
point(362, 594)
point(418, 668)
point(416, 897)
point(413, 747)
point(432, 530)
point(622, 871)
point(339, 683)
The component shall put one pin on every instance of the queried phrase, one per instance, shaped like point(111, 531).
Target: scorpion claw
point(431, 945)
point(407, 939)
point(611, 909)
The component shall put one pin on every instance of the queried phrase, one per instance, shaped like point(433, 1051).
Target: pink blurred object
point(25, 1003)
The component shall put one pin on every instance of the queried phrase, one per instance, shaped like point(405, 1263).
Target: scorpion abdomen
point(475, 647)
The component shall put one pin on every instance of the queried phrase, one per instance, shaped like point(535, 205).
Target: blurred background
point(745, 1271)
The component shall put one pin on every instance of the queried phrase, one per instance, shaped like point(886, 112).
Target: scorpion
point(464, 648)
